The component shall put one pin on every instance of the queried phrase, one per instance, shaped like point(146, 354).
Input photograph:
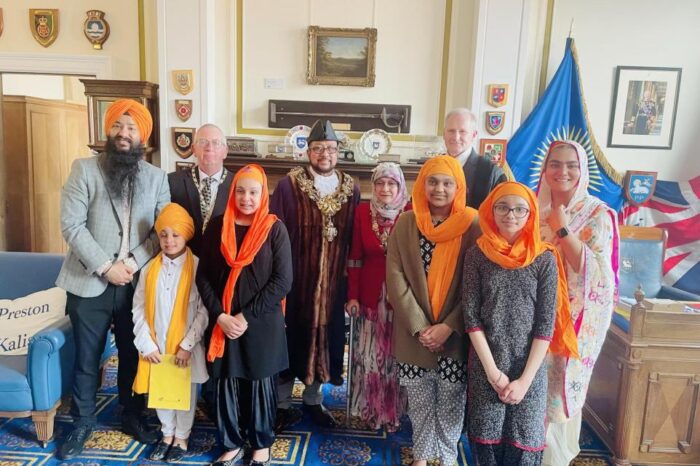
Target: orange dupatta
point(253, 241)
point(522, 253)
point(448, 235)
point(177, 218)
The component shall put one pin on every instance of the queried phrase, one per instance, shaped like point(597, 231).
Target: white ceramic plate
point(296, 137)
point(374, 142)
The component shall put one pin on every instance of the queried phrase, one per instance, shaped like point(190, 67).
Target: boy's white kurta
point(197, 317)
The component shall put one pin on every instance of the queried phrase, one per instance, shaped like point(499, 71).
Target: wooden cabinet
point(644, 396)
point(41, 140)
point(102, 92)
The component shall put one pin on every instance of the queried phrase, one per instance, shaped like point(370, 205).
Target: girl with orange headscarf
point(245, 275)
point(424, 268)
point(515, 309)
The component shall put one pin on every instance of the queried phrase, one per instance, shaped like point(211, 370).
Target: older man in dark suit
point(481, 174)
point(109, 205)
point(203, 190)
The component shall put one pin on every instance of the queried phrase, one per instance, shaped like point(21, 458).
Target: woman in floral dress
point(375, 389)
point(584, 231)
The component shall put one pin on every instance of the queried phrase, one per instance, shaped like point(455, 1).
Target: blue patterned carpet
point(303, 444)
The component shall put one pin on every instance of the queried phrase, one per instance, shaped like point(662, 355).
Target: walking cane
point(348, 391)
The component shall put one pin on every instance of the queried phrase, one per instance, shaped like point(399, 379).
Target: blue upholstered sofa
point(33, 384)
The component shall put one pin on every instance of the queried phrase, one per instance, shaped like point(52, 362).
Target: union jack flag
point(675, 206)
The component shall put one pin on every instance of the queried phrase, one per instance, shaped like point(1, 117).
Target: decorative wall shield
point(182, 141)
point(494, 149)
point(494, 122)
point(183, 81)
point(96, 28)
point(498, 95)
point(44, 25)
point(639, 186)
point(2, 22)
point(183, 108)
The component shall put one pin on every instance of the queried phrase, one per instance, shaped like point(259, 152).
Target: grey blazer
point(92, 224)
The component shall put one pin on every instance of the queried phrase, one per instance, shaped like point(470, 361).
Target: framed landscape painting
point(343, 57)
point(645, 100)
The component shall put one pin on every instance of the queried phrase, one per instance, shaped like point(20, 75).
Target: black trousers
point(91, 319)
point(245, 410)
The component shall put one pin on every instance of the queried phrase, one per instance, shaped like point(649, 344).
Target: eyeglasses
point(503, 210)
point(318, 150)
point(215, 143)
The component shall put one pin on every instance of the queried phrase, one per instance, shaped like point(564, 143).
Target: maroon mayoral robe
point(320, 231)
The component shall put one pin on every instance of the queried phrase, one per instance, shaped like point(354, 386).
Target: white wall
point(409, 54)
point(122, 46)
point(45, 87)
point(635, 33)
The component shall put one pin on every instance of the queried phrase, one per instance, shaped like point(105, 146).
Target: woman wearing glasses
point(584, 231)
point(514, 299)
point(375, 384)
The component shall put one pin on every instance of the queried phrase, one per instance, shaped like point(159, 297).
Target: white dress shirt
point(166, 293)
point(325, 185)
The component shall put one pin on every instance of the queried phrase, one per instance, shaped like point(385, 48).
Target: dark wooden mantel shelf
point(278, 168)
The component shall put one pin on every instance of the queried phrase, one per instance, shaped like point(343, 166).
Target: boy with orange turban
point(169, 320)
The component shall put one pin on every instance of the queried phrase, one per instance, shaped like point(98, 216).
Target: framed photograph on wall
point(342, 57)
point(644, 107)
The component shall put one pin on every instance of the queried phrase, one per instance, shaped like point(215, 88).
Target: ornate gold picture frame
point(342, 57)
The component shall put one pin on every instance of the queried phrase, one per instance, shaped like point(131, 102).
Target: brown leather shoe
point(286, 418)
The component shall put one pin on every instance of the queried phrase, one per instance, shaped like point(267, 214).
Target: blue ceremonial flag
point(561, 114)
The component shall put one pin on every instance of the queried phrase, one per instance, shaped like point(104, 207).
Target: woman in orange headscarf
point(246, 273)
point(424, 268)
point(515, 304)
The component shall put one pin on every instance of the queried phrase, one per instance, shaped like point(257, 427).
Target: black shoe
point(230, 462)
point(176, 453)
point(137, 428)
point(75, 442)
point(286, 418)
point(160, 452)
point(321, 416)
point(262, 463)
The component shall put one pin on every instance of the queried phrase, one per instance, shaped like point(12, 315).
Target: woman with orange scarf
point(429, 339)
point(515, 308)
point(245, 274)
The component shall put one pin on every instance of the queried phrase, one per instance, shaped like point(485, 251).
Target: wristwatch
point(562, 232)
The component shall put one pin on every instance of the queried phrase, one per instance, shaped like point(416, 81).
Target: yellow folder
point(170, 386)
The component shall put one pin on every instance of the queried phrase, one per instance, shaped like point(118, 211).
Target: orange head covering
point(254, 239)
point(140, 114)
point(448, 235)
point(176, 217)
point(527, 246)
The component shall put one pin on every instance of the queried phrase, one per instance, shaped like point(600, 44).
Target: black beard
point(120, 168)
